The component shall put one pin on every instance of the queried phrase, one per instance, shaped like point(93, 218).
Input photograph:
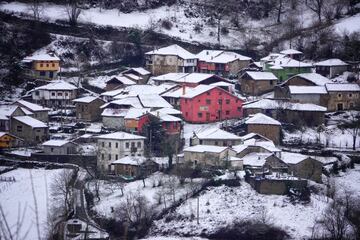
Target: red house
point(136, 118)
point(205, 103)
point(171, 124)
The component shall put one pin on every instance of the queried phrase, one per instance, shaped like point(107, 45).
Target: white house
point(54, 94)
point(117, 145)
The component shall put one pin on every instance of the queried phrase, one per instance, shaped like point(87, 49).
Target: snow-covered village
point(180, 119)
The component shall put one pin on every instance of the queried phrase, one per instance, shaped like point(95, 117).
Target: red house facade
point(205, 104)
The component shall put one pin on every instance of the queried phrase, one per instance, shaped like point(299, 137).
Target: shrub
point(166, 24)
point(198, 28)
point(224, 31)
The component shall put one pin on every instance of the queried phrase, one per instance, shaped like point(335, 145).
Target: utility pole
point(198, 210)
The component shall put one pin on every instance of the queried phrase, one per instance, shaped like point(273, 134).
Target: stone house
point(264, 125)
point(59, 147)
point(343, 96)
point(189, 79)
point(223, 63)
point(88, 108)
point(6, 112)
point(208, 155)
point(55, 94)
point(236, 163)
point(257, 83)
point(114, 146)
point(331, 68)
point(137, 74)
point(40, 113)
point(128, 166)
point(258, 162)
point(171, 59)
point(286, 111)
point(308, 94)
point(215, 137)
point(114, 118)
point(116, 82)
point(303, 166)
point(30, 129)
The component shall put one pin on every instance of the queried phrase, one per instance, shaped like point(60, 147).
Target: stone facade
point(30, 135)
point(208, 158)
point(215, 142)
point(89, 111)
point(342, 100)
point(276, 186)
point(271, 132)
point(308, 169)
point(256, 87)
point(113, 122)
point(66, 149)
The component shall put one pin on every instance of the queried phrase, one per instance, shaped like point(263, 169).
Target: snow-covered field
point(18, 203)
point(111, 196)
point(221, 206)
point(349, 181)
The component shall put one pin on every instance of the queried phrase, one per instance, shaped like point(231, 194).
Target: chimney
point(207, 52)
point(183, 89)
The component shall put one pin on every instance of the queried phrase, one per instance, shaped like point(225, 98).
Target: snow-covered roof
point(291, 52)
point(55, 143)
point(206, 55)
point(342, 87)
point(27, 112)
point(153, 101)
point(87, 99)
point(112, 93)
point(169, 111)
point(292, 158)
point(216, 133)
point(315, 78)
point(6, 133)
point(130, 160)
point(134, 113)
point(262, 119)
point(138, 89)
point(110, 112)
point(32, 106)
point(255, 159)
point(32, 122)
point(166, 117)
point(121, 136)
point(41, 57)
point(222, 84)
point(57, 85)
point(129, 101)
point(286, 62)
point(173, 50)
point(120, 78)
point(276, 104)
point(184, 77)
point(262, 75)
point(307, 90)
point(272, 56)
point(177, 93)
point(139, 70)
point(132, 76)
point(205, 148)
point(200, 89)
point(331, 62)
point(7, 110)
point(227, 57)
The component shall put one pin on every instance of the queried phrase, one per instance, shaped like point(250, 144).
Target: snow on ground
point(99, 81)
point(349, 25)
point(349, 181)
point(24, 152)
point(332, 137)
point(221, 206)
point(17, 198)
point(111, 196)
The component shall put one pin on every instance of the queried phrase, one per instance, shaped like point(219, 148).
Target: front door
point(340, 107)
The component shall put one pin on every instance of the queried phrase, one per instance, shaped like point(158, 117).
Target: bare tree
point(73, 12)
point(352, 125)
point(280, 10)
point(61, 191)
point(13, 231)
point(37, 9)
point(316, 6)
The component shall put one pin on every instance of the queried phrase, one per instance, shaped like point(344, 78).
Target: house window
point(339, 95)
point(117, 145)
point(109, 144)
point(199, 100)
point(116, 157)
point(37, 93)
point(133, 154)
point(227, 112)
point(271, 82)
point(139, 144)
point(227, 101)
point(220, 101)
point(132, 145)
point(199, 115)
point(103, 144)
point(350, 95)
point(102, 156)
point(53, 94)
point(52, 149)
point(220, 93)
point(208, 101)
point(239, 109)
point(139, 155)
point(351, 105)
point(127, 145)
point(66, 94)
point(59, 94)
point(109, 157)
point(201, 142)
point(53, 64)
point(216, 143)
point(41, 65)
point(19, 128)
point(47, 65)
point(208, 93)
